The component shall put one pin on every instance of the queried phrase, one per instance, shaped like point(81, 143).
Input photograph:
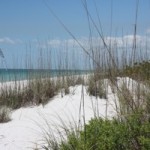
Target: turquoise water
point(24, 74)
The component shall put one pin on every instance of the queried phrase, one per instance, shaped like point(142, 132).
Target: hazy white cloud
point(7, 40)
point(128, 40)
point(148, 31)
point(70, 43)
point(124, 41)
point(54, 43)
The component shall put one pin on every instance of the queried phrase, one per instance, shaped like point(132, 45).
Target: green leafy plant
point(111, 134)
point(139, 70)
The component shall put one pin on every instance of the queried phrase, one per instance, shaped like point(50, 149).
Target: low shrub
point(139, 70)
point(130, 134)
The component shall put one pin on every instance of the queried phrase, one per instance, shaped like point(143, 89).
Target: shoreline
point(23, 83)
point(29, 74)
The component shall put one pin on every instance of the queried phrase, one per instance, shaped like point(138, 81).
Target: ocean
point(25, 74)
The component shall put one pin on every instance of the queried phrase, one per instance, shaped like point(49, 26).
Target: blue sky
point(26, 24)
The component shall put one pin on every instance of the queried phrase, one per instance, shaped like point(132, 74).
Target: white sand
point(25, 131)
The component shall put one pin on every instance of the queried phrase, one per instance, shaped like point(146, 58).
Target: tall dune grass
point(130, 129)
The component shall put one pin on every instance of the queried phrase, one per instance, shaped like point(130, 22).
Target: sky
point(27, 26)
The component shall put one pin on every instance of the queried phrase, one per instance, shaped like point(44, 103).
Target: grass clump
point(126, 101)
point(74, 80)
point(42, 91)
point(97, 88)
point(35, 92)
point(4, 114)
point(11, 97)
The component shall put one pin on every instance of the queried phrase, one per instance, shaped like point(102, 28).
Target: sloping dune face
point(29, 126)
